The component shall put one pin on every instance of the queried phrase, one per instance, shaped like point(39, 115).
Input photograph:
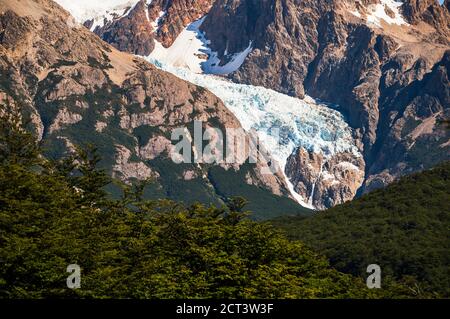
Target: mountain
point(76, 89)
point(139, 249)
point(342, 98)
point(402, 228)
point(382, 63)
point(385, 63)
point(135, 28)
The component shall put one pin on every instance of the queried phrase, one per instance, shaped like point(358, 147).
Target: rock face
point(136, 29)
point(411, 132)
point(389, 78)
point(325, 181)
point(131, 32)
point(77, 89)
point(428, 11)
point(175, 15)
point(281, 34)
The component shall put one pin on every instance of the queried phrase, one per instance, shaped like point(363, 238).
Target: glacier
point(282, 123)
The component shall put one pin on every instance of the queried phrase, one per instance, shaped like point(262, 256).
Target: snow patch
point(356, 13)
point(377, 13)
point(155, 23)
point(212, 66)
point(83, 10)
point(190, 50)
point(109, 16)
point(184, 52)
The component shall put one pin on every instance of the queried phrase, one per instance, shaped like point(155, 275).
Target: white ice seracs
point(283, 123)
point(301, 123)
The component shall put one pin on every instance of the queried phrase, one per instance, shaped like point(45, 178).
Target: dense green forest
point(404, 228)
point(56, 213)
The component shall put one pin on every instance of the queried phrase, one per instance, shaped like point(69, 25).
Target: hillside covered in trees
point(403, 228)
point(53, 214)
point(57, 213)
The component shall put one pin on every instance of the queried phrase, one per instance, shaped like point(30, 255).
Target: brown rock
point(78, 89)
point(131, 33)
point(375, 75)
point(325, 181)
point(178, 14)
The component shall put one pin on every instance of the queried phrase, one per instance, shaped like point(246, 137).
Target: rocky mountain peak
point(131, 31)
point(136, 28)
point(381, 63)
point(173, 16)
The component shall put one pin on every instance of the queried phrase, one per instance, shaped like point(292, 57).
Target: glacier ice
point(301, 123)
point(306, 123)
point(282, 123)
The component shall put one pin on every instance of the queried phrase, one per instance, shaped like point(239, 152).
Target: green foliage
point(129, 248)
point(171, 183)
point(85, 176)
point(260, 200)
point(403, 228)
point(17, 146)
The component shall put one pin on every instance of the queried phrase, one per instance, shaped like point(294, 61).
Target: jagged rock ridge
point(137, 28)
point(390, 79)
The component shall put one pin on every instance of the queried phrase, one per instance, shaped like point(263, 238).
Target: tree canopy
point(56, 213)
point(404, 228)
